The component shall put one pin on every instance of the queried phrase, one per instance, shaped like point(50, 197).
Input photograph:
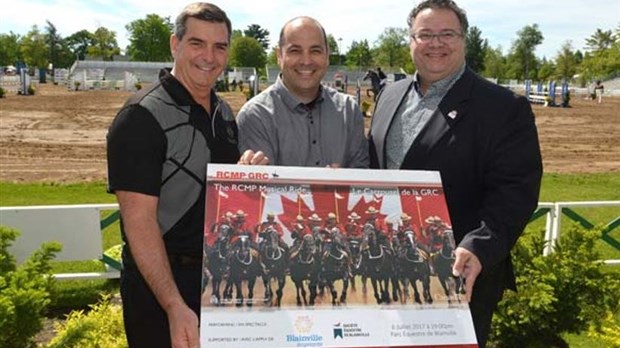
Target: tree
point(10, 52)
point(494, 63)
point(333, 49)
point(105, 45)
point(247, 52)
point(34, 49)
point(272, 57)
point(546, 70)
point(359, 55)
point(54, 42)
point(79, 42)
point(261, 35)
point(236, 33)
point(475, 49)
point(566, 62)
point(149, 39)
point(600, 40)
point(523, 48)
point(392, 49)
point(603, 63)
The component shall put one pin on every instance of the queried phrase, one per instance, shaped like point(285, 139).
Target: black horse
point(275, 261)
point(443, 267)
point(304, 266)
point(355, 245)
point(414, 267)
point(377, 260)
point(335, 265)
point(245, 265)
point(217, 266)
point(375, 82)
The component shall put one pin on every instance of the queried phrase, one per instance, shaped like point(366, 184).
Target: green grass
point(12, 194)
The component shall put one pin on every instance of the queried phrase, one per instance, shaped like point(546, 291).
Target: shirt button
point(313, 141)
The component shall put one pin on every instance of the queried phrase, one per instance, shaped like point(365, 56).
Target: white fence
point(554, 222)
point(79, 229)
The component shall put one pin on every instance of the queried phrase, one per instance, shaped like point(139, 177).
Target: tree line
point(149, 41)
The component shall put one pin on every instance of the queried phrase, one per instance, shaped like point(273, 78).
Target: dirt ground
point(59, 135)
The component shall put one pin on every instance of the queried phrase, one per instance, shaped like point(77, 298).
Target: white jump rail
point(76, 227)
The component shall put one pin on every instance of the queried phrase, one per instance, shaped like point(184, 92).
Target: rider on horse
point(431, 237)
point(352, 228)
point(239, 228)
point(263, 227)
point(379, 226)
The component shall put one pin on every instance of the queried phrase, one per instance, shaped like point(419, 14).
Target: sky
point(348, 20)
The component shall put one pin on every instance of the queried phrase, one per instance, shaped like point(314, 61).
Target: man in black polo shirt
point(158, 149)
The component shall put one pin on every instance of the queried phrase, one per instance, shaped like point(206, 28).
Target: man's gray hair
point(203, 11)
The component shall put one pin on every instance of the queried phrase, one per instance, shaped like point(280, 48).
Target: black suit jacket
point(483, 140)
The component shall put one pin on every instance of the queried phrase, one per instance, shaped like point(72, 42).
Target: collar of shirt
point(440, 87)
point(178, 92)
point(293, 103)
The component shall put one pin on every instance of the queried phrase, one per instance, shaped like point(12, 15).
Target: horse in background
point(451, 285)
point(304, 266)
point(217, 261)
point(275, 261)
point(375, 82)
point(245, 265)
point(413, 265)
point(377, 260)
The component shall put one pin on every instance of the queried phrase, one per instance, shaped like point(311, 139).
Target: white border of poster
point(359, 319)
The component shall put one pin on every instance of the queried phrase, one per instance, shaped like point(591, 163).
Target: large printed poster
point(322, 257)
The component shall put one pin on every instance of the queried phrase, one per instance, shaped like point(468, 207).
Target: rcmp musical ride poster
point(322, 257)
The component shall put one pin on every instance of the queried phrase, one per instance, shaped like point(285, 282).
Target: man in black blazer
point(479, 136)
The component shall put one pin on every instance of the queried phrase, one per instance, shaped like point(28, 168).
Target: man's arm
point(511, 186)
point(253, 133)
point(139, 213)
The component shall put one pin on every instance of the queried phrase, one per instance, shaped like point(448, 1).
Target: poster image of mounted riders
point(323, 257)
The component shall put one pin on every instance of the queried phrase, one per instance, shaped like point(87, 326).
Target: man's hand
point(250, 157)
point(184, 332)
point(468, 267)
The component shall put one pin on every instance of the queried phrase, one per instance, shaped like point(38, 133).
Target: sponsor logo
point(303, 337)
point(349, 330)
point(338, 331)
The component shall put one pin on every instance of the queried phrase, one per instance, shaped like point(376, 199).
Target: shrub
point(564, 292)
point(24, 291)
point(31, 90)
point(138, 86)
point(2, 92)
point(608, 333)
point(102, 326)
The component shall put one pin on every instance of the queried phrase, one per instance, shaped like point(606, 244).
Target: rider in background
point(382, 77)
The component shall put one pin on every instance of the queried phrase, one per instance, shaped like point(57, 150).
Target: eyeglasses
point(447, 37)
